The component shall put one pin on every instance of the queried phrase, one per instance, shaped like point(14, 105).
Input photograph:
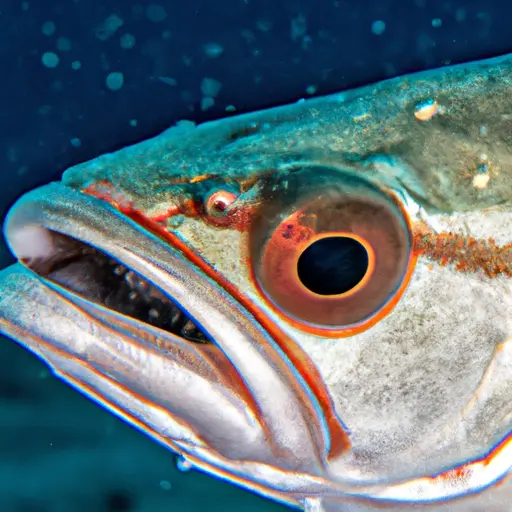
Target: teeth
point(132, 295)
point(153, 313)
point(176, 318)
point(119, 270)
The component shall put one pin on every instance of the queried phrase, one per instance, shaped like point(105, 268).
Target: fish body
point(312, 301)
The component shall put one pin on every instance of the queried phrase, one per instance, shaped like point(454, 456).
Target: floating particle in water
point(76, 64)
point(76, 142)
point(57, 86)
point(378, 27)
point(127, 41)
point(25, 6)
point(156, 13)
point(210, 87)
point(298, 27)
point(248, 35)
point(213, 50)
point(264, 25)
point(168, 81)
point(12, 154)
point(133, 122)
point(207, 102)
point(306, 42)
point(48, 28)
point(63, 44)
point(437, 22)
point(43, 110)
point(311, 89)
point(165, 485)
point(460, 15)
point(108, 27)
point(231, 108)
point(115, 80)
point(166, 34)
point(50, 59)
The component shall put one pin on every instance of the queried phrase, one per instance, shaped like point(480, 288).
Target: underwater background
point(82, 77)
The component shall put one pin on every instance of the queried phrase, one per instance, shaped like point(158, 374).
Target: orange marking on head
point(466, 253)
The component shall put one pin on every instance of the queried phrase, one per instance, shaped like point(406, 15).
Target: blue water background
point(58, 451)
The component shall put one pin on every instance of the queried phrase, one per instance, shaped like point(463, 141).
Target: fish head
point(313, 301)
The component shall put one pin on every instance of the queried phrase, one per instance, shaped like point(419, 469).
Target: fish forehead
point(433, 377)
point(385, 131)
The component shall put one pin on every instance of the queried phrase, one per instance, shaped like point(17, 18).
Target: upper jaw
point(227, 397)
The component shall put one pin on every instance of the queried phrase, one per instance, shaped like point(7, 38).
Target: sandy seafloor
point(60, 452)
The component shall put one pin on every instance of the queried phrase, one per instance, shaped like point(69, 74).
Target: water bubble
point(63, 44)
point(378, 27)
point(127, 41)
point(213, 50)
point(210, 87)
point(115, 81)
point(183, 464)
point(48, 28)
point(50, 59)
point(165, 485)
point(156, 13)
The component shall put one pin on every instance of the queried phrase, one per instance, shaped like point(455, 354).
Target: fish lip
point(302, 435)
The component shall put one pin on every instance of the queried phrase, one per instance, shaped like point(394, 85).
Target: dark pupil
point(332, 265)
point(219, 205)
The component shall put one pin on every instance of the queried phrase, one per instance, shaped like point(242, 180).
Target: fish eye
point(218, 201)
point(330, 251)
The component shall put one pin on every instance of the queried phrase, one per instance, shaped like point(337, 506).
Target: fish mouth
point(129, 320)
point(92, 274)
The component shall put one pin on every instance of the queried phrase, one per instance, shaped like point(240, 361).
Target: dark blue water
point(58, 451)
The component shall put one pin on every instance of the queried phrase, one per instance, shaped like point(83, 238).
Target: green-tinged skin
point(394, 410)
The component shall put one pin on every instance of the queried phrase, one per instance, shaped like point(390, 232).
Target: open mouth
point(94, 275)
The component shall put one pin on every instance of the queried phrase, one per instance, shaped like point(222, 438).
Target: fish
point(311, 301)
